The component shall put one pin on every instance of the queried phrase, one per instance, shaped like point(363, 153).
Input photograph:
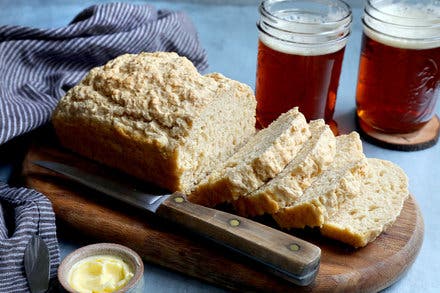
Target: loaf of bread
point(315, 156)
point(262, 158)
point(154, 116)
point(339, 182)
point(358, 221)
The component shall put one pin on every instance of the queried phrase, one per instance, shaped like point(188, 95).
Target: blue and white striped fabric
point(32, 214)
point(37, 67)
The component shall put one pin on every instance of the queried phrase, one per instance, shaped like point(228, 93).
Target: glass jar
point(300, 52)
point(399, 70)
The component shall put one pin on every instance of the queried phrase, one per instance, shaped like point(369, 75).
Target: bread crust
point(314, 157)
point(336, 183)
point(319, 204)
point(261, 159)
point(140, 114)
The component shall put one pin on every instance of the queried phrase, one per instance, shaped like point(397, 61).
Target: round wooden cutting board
point(79, 210)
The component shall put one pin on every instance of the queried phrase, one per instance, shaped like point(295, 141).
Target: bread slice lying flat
point(358, 221)
point(262, 158)
point(314, 157)
point(339, 182)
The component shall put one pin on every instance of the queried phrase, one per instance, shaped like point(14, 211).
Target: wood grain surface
point(82, 213)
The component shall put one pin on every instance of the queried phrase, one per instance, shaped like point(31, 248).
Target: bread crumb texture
point(315, 156)
point(325, 188)
point(383, 190)
point(353, 201)
point(261, 159)
point(154, 116)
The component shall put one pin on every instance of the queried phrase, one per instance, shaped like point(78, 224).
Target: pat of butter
point(101, 273)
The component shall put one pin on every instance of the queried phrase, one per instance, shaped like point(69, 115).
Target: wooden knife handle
point(289, 257)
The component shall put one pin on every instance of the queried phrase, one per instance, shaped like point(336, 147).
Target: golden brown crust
point(314, 157)
point(248, 206)
point(333, 185)
point(344, 234)
point(299, 216)
point(113, 147)
point(261, 159)
point(323, 197)
point(154, 116)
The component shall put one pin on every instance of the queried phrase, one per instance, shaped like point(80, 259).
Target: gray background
point(227, 31)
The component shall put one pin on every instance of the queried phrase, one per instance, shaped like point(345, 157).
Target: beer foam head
point(301, 49)
point(304, 27)
point(405, 24)
point(305, 17)
point(417, 10)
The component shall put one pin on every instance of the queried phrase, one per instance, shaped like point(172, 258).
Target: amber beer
point(287, 80)
point(399, 77)
point(300, 51)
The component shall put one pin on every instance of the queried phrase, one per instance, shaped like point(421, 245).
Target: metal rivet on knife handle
point(294, 247)
point(234, 222)
point(179, 199)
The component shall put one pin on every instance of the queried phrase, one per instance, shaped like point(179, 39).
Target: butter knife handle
point(289, 257)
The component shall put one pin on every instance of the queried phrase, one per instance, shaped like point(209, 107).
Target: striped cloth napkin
point(37, 67)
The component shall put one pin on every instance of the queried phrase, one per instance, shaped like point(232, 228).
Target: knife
point(280, 253)
point(37, 264)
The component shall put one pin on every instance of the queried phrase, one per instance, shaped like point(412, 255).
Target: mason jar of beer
point(399, 71)
point(300, 51)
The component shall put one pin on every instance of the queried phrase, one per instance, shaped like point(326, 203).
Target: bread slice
point(314, 157)
point(261, 159)
point(154, 116)
point(339, 182)
point(358, 221)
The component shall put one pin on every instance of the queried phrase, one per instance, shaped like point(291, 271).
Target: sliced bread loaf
point(339, 182)
point(154, 116)
point(358, 221)
point(261, 159)
point(314, 157)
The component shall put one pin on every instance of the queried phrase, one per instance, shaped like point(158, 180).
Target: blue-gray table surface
point(227, 31)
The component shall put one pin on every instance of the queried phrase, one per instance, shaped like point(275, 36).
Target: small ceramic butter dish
point(106, 267)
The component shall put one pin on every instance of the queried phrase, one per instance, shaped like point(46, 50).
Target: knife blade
point(282, 254)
